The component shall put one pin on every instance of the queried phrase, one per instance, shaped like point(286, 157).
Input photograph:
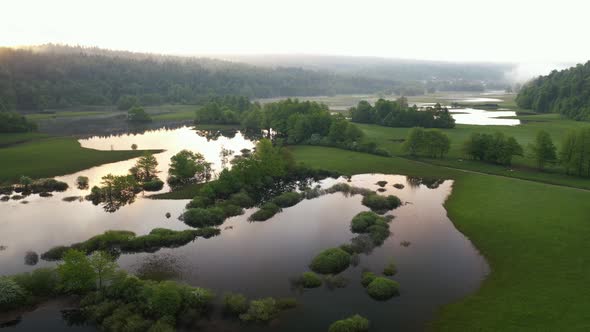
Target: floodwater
point(436, 263)
point(473, 116)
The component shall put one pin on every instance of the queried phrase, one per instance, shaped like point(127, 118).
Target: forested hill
point(566, 92)
point(54, 76)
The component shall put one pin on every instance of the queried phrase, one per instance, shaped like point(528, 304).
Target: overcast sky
point(456, 30)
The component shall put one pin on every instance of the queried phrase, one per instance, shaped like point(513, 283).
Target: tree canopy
point(61, 76)
point(397, 113)
point(566, 92)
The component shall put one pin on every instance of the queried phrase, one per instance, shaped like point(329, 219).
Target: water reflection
point(260, 259)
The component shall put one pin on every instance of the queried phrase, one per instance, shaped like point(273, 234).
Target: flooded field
point(436, 263)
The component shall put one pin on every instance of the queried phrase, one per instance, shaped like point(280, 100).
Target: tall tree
point(76, 273)
point(543, 149)
point(104, 267)
point(146, 168)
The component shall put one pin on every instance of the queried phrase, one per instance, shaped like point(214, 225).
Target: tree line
point(397, 113)
point(566, 92)
point(12, 122)
point(60, 76)
point(290, 121)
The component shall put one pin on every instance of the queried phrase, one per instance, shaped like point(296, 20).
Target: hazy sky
point(497, 30)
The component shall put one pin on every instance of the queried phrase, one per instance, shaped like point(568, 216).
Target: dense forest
point(397, 113)
point(566, 92)
point(59, 76)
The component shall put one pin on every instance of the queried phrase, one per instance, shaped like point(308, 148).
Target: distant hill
point(566, 92)
point(438, 73)
point(55, 76)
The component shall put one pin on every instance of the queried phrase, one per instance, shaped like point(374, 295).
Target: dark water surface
point(259, 259)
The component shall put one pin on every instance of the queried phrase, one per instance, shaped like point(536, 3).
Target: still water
point(436, 264)
point(481, 117)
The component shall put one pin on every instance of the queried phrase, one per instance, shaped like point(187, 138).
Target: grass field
point(532, 234)
point(391, 139)
point(53, 156)
point(64, 114)
point(16, 138)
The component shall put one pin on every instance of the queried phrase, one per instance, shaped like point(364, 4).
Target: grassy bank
point(530, 233)
point(16, 138)
point(391, 140)
point(53, 156)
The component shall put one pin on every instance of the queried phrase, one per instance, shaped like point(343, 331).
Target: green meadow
point(48, 157)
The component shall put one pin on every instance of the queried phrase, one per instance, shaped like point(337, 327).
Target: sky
point(534, 32)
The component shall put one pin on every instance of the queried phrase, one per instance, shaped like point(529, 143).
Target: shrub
point(48, 185)
point(381, 183)
point(153, 185)
point(40, 282)
point(199, 202)
point(261, 310)
point(399, 186)
point(200, 217)
point(230, 210)
point(31, 258)
point(82, 182)
point(367, 278)
point(242, 199)
point(310, 280)
point(287, 199)
point(235, 303)
point(363, 220)
point(163, 298)
point(198, 298)
point(354, 323)
point(330, 261)
point(390, 269)
point(11, 294)
point(382, 288)
point(381, 204)
point(266, 211)
point(347, 247)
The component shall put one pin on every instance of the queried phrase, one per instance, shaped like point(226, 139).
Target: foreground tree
point(543, 149)
point(104, 267)
point(76, 273)
point(188, 167)
point(575, 152)
point(431, 143)
point(138, 114)
point(145, 168)
point(496, 148)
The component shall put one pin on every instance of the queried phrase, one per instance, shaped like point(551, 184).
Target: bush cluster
point(126, 241)
point(381, 204)
point(382, 288)
point(330, 261)
point(354, 323)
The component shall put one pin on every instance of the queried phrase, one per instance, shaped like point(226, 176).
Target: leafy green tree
point(104, 267)
point(414, 142)
point(575, 152)
point(76, 272)
point(12, 122)
point(146, 168)
point(26, 182)
point(188, 167)
point(543, 149)
point(138, 114)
